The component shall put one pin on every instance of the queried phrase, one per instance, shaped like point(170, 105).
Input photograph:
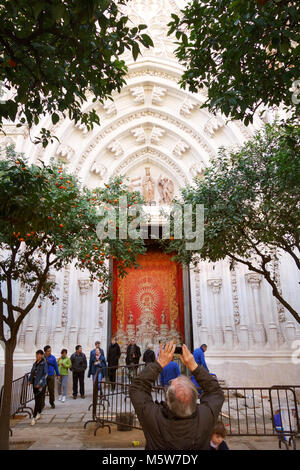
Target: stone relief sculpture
point(166, 190)
point(148, 186)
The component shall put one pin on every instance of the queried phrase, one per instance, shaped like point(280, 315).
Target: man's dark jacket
point(79, 362)
point(165, 431)
point(113, 355)
point(137, 353)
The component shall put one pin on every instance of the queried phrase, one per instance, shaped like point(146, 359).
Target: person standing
point(96, 368)
point(113, 356)
point(133, 355)
point(92, 359)
point(199, 355)
point(79, 365)
point(149, 355)
point(64, 363)
point(169, 372)
point(38, 379)
point(52, 370)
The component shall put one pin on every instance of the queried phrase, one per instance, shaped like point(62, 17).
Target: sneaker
point(82, 396)
point(37, 416)
point(60, 397)
point(74, 396)
point(63, 399)
point(52, 405)
point(33, 421)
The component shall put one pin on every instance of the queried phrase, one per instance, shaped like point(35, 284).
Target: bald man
point(180, 424)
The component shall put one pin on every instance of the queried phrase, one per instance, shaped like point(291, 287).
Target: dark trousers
point(38, 400)
point(112, 375)
point(50, 386)
point(78, 376)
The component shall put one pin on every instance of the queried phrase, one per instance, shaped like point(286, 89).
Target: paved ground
point(63, 428)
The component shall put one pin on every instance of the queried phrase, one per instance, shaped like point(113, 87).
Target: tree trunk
point(6, 395)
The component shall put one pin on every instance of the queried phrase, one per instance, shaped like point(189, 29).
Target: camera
point(178, 350)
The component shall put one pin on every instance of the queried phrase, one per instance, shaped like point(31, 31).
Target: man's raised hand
point(166, 354)
point(188, 359)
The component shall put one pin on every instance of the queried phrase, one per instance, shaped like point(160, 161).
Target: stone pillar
point(29, 345)
point(42, 332)
point(273, 335)
point(290, 331)
point(215, 286)
point(203, 335)
point(84, 286)
point(254, 280)
point(244, 337)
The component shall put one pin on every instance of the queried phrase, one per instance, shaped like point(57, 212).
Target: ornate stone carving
point(148, 186)
point(82, 127)
point(101, 316)
point(154, 155)
point(235, 297)
point(166, 190)
point(65, 152)
point(158, 114)
point(197, 169)
point(99, 169)
point(198, 299)
point(276, 276)
point(139, 134)
point(180, 148)
point(254, 279)
point(214, 285)
point(110, 108)
point(156, 14)
point(116, 148)
point(66, 288)
point(158, 93)
point(156, 134)
point(138, 94)
point(84, 285)
point(213, 124)
point(187, 107)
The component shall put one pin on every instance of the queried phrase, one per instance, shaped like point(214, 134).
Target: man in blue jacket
point(200, 359)
point(52, 370)
point(169, 372)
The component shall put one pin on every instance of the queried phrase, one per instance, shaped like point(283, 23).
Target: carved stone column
point(254, 280)
point(290, 331)
point(84, 286)
point(42, 332)
point(215, 287)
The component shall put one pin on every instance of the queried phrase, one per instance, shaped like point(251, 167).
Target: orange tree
point(47, 220)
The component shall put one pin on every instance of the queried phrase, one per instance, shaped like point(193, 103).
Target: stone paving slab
point(64, 429)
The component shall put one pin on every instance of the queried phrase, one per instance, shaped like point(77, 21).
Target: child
point(217, 439)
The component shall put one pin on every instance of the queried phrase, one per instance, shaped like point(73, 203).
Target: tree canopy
point(251, 205)
point(53, 52)
point(48, 220)
point(245, 52)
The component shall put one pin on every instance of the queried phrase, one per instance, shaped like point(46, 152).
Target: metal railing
point(246, 411)
point(21, 394)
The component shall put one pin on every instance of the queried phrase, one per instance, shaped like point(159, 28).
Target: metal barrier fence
point(247, 411)
point(21, 394)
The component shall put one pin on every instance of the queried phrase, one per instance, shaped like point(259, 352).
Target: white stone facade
point(153, 123)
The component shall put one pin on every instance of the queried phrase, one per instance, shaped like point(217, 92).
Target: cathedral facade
point(155, 134)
